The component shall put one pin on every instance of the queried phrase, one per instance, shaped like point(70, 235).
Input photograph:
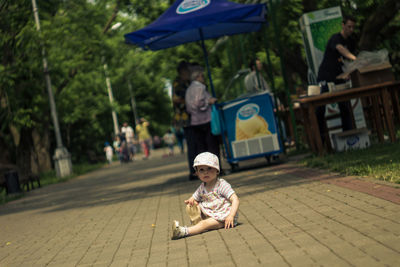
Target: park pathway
point(121, 215)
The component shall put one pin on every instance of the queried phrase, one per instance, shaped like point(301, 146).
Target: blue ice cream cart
point(189, 21)
point(249, 128)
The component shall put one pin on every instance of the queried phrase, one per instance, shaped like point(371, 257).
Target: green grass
point(50, 177)
point(380, 161)
point(77, 169)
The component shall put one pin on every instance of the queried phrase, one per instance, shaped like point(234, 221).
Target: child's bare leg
point(205, 225)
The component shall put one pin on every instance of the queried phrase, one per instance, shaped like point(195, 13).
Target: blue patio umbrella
point(198, 20)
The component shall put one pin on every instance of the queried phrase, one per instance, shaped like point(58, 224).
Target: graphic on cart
point(250, 127)
point(249, 124)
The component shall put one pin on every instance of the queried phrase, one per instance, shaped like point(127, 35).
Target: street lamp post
point(62, 158)
point(133, 103)
point(109, 88)
point(110, 96)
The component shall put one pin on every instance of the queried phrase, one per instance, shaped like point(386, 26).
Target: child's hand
point(229, 222)
point(191, 201)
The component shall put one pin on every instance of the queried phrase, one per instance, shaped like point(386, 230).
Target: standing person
point(340, 46)
point(254, 81)
point(156, 142)
point(198, 105)
point(123, 150)
point(213, 205)
point(181, 119)
point(109, 152)
point(169, 139)
point(144, 136)
point(117, 147)
point(129, 137)
point(180, 137)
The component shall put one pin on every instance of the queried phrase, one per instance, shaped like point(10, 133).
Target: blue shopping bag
point(215, 121)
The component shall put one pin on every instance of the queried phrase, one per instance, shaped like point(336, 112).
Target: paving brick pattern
point(121, 216)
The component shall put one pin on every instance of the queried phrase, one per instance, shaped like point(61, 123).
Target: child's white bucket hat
point(208, 159)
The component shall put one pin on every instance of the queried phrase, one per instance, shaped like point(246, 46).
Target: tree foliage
point(79, 38)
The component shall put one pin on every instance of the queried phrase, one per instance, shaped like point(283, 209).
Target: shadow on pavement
point(146, 179)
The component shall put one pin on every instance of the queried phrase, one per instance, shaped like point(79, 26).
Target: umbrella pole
point(206, 59)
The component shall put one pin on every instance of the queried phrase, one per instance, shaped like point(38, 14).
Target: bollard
point(12, 182)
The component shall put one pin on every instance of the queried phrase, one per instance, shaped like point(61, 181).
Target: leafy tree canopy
point(79, 37)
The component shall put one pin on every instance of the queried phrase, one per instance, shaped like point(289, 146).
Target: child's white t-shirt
point(108, 150)
point(169, 139)
point(215, 203)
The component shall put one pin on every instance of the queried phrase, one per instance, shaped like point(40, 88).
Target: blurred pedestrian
point(127, 130)
point(198, 104)
point(254, 81)
point(144, 136)
point(169, 140)
point(157, 142)
point(123, 147)
point(109, 152)
point(117, 147)
point(180, 137)
point(181, 119)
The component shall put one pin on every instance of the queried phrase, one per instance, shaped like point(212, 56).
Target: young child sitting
point(214, 205)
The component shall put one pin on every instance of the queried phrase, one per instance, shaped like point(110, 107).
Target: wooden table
point(375, 93)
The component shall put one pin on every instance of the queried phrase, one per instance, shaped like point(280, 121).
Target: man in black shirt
point(340, 46)
point(181, 119)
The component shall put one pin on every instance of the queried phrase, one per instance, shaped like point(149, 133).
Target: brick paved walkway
point(121, 216)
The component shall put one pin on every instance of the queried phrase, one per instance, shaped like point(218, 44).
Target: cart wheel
point(234, 166)
point(268, 159)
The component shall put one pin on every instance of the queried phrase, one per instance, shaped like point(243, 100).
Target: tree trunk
point(377, 21)
point(296, 63)
point(41, 151)
point(23, 159)
point(4, 155)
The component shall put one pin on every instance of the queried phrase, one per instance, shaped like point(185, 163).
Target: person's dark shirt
point(332, 62)
point(181, 118)
point(122, 137)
